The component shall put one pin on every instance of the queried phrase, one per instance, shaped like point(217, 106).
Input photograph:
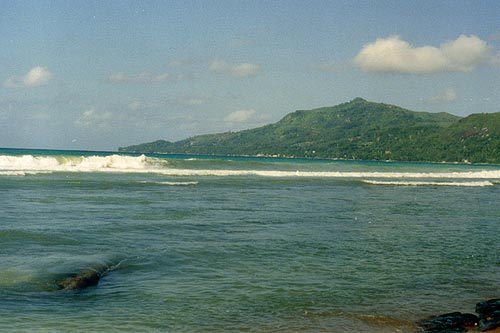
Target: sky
point(98, 75)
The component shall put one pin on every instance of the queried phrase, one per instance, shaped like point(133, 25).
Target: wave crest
point(426, 183)
point(16, 165)
point(186, 183)
point(11, 165)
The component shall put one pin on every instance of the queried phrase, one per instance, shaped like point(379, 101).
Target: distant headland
point(359, 130)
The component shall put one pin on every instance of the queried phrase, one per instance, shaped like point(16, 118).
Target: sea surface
point(240, 244)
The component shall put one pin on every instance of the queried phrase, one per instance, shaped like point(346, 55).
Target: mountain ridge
point(357, 129)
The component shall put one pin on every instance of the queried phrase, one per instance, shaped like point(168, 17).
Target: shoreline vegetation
point(356, 130)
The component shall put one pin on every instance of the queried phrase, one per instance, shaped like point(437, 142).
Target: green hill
point(355, 130)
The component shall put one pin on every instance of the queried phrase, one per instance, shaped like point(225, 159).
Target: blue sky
point(98, 75)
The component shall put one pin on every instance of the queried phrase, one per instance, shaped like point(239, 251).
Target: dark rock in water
point(487, 325)
point(489, 314)
point(488, 307)
point(88, 277)
point(80, 281)
point(450, 322)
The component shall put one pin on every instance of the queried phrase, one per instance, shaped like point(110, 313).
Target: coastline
point(263, 156)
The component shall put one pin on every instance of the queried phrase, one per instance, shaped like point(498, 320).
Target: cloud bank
point(394, 55)
point(37, 76)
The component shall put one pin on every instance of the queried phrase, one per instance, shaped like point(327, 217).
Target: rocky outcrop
point(489, 314)
point(450, 322)
point(88, 277)
point(488, 319)
point(80, 281)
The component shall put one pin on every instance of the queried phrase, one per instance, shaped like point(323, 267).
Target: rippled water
point(242, 244)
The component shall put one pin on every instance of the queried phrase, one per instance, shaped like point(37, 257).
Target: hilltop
point(358, 129)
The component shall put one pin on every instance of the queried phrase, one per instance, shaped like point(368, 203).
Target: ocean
point(242, 244)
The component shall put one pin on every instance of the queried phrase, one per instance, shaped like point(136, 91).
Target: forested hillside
point(355, 130)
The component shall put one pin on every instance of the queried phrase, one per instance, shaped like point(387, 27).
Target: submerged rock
point(88, 277)
point(80, 281)
point(450, 322)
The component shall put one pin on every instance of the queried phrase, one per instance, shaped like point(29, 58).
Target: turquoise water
point(206, 244)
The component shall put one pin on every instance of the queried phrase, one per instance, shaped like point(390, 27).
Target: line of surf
point(426, 183)
point(10, 164)
point(21, 173)
point(170, 183)
point(21, 165)
point(490, 174)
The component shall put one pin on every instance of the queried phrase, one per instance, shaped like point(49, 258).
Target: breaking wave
point(21, 173)
point(29, 164)
point(424, 183)
point(21, 165)
point(187, 183)
point(335, 174)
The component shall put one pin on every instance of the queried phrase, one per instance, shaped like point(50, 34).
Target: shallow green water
point(242, 251)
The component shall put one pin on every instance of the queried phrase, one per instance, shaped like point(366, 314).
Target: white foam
point(12, 173)
point(424, 183)
point(111, 163)
point(29, 164)
point(490, 174)
point(21, 173)
point(11, 277)
point(187, 183)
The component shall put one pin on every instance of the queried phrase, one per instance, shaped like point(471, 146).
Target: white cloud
point(92, 118)
point(449, 95)
point(179, 102)
point(240, 70)
point(244, 70)
point(239, 116)
point(37, 76)
point(393, 54)
point(161, 77)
